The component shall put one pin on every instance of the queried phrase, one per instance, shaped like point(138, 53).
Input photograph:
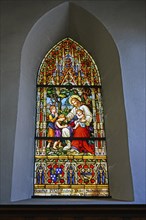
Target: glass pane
point(68, 63)
point(71, 176)
point(70, 139)
point(67, 147)
point(67, 112)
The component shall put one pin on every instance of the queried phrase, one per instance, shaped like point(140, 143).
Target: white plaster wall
point(125, 21)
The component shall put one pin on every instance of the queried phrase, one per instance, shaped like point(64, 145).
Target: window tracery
point(70, 142)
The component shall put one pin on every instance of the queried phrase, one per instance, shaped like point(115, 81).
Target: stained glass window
point(70, 142)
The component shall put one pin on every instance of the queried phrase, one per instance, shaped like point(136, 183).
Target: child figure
point(51, 123)
point(81, 119)
point(58, 129)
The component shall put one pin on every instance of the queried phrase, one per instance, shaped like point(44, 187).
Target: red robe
point(82, 145)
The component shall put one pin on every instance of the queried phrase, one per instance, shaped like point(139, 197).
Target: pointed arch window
point(70, 142)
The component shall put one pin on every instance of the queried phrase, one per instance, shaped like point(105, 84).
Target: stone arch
point(61, 22)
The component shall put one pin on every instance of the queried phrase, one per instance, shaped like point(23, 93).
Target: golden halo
point(74, 97)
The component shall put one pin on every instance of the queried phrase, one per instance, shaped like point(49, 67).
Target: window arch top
point(68, 63)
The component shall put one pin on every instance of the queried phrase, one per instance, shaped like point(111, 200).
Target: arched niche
point(65, 20)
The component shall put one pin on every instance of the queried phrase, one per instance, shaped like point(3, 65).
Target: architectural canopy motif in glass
point(70, 143)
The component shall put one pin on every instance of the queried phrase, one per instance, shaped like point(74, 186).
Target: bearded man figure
point(82, 132)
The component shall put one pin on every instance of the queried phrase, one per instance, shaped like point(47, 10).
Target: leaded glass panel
point(70, 139)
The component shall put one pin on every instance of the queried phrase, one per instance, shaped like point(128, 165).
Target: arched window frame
point(68, 66)
point(101, 45)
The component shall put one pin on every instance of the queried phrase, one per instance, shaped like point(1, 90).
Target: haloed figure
point(82, 129)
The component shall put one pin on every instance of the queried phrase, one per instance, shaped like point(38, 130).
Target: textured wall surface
point(125, 22)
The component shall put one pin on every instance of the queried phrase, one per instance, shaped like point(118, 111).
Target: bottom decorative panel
point(76, 190)
point(71, 176)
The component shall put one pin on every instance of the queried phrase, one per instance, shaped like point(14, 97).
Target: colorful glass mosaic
point(70, 139)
